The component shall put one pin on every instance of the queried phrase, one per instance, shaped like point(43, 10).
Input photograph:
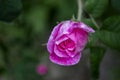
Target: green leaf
point(96, 7)
point(96, 56)
point(116, 4)
point(110, 39)
point(112, 24)
point(9, 9)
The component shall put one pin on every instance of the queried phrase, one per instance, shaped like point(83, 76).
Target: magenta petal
point(71, 53)
point(86, 28)
point(64, 29)
point(51, 40)
point(80, 37)
point(50, 46)
point(65, 61)
point(61, 39)
point(60, 53)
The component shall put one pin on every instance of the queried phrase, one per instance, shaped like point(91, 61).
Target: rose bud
point(67, 41)
point(42, 69)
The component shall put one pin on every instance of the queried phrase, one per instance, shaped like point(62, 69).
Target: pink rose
point(42, 69)
point(67, 41)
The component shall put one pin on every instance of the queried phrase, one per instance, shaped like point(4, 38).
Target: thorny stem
point(79, 16)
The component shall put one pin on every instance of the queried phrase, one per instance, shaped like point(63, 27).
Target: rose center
point(67, 44)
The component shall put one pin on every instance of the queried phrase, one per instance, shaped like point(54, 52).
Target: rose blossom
point(66, 42)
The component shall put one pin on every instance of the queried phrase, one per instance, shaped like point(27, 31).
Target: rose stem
point(79, 16)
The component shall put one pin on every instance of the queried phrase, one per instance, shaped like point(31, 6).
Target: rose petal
point(86, 28)
point(60, 53)
point(71, 53)
point(80, 37)
point(82, 26)
point(71, 48)
point(51, 40)
point(65, 61)
point(64, 29)
point(61, 39)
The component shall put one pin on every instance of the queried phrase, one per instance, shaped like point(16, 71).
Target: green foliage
point(96, 56)
point(9, 9)
point(110, 39)
point(112, 24)
point(109, 33)
point(96, 7)
point(116, 4)
point(109, 28)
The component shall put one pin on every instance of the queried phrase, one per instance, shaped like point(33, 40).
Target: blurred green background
point(25, 26)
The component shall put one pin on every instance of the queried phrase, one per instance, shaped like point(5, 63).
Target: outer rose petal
point(64, 29)
point(65, 61)
point(69, 25)
point(86, 28)
point(80, 25)
point(51, 42)
point(80, 37)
